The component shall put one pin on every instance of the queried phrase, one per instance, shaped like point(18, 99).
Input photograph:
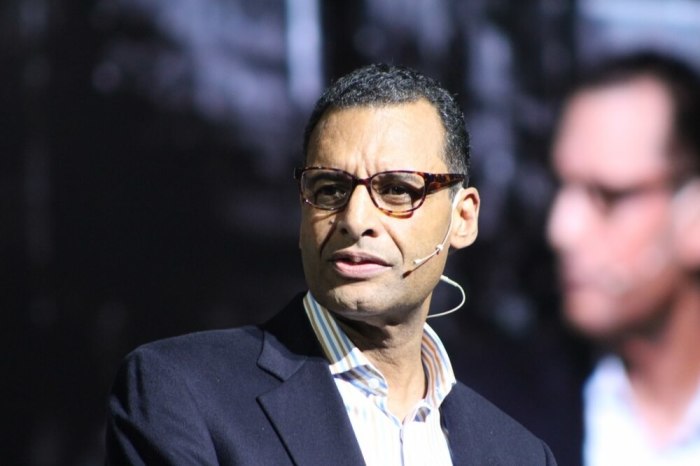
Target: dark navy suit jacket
point(264, 396)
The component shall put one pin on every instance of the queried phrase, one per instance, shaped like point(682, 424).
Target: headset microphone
point(441, 246)
point(437, 251)
point(443, 278)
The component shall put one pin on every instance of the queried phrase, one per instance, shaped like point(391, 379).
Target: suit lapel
point(306, 409)
point(458, 422)
point(308, 415)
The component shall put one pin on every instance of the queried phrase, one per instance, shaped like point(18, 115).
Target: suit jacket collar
point(306, 409)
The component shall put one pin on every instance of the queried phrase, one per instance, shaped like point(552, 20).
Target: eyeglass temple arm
point(435, 182)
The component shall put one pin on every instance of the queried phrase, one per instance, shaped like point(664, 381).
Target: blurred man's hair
point(682, 83)
point(380, 85)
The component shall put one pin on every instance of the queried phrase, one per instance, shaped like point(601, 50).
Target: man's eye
point(395, 190)
point(329, 190)
point(399, 191)
point(609, 198)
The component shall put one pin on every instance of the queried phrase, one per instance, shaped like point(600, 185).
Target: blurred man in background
point(626, 227)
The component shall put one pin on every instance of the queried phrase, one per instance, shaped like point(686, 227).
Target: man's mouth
point(358, 264)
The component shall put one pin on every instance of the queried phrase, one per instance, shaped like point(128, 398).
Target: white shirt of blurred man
point(626, 227)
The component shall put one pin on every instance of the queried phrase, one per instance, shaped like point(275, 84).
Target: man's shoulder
point(470, 400)
point(205, 343)
point(490, 430)
point(195, 354)
point(231, 349)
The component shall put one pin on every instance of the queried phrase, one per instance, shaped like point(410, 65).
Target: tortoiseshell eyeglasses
point(393, 192)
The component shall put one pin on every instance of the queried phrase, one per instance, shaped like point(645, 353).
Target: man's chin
point(590, 317)
point(350, 298)
point(362, 303)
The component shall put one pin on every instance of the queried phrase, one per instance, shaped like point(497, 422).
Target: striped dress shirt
point(384, 439)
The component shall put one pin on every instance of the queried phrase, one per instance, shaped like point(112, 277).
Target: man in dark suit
point(348, 373)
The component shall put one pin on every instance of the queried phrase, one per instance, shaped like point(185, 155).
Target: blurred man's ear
point(686, 224)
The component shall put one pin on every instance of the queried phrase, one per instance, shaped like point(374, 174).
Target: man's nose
point(360, 216)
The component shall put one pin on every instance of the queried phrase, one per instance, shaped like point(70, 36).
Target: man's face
point(358, 262)
point(610, 223)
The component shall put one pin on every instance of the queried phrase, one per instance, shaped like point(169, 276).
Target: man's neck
point(664, 368)
point(395, 350)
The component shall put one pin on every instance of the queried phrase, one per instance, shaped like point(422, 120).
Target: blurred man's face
point(610, 222)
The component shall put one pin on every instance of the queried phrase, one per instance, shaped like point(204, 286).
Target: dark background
point(146, 152)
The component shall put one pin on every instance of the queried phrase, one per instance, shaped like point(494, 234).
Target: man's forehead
point(410, 127)
point(616, 134)
point(400, 108)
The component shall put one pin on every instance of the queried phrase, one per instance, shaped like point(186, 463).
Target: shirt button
point(374, 384)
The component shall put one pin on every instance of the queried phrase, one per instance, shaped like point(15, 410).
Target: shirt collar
point(348, 362)
point(609, 388)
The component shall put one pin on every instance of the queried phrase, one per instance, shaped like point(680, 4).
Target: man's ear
point(686, 224)
point(465, 218)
